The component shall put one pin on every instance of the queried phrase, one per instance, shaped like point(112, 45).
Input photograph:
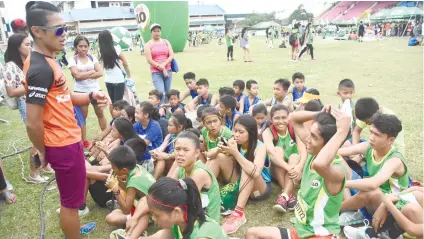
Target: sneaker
point(87, 228)
point(112, 206)
point(350, 218)
point(280, 204)
point(38, 179)
point(81, 213)
point(291, 203)
point(233, 223)
point(358, 232)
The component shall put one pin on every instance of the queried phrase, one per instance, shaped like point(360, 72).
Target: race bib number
point(300, 210)
point(142, 16)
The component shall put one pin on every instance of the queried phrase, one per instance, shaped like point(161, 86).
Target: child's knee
point(252, 232)
point(413, 212)
point(111, 219)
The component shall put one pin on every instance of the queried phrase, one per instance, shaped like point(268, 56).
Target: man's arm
point(125, 64)
point(185, 95)
point(372, 183)
point(214, 100)
point(333, 175)
point(241, 105)
point(193, 103)
point(360, 148)
point(297, 119)
point(35, 125)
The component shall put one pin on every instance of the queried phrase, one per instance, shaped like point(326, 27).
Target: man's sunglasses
point(58, 30)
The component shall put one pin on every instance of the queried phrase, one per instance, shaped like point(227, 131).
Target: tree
point(255, 18)
point(300, 14)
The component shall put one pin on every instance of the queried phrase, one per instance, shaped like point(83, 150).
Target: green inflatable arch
point(173, 16)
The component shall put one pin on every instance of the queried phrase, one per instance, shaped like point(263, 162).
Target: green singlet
point(209, 229)
point(394, 184)
point(317, 211)
point(210, 197)
point(224, 132)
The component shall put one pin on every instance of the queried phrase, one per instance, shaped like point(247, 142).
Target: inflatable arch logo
point(173, 16)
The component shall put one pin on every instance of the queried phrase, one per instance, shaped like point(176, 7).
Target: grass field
point(388, 70)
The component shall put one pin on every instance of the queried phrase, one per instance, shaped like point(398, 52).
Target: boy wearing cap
point(19, 26)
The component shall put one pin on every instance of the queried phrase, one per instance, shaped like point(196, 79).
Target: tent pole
point(408, 21)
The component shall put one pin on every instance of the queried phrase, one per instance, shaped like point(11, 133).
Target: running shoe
point(81, 213)
point(280, 204)
point(349, 218)
point(233, 223)
point(291, 203)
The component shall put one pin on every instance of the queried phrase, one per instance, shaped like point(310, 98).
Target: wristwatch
point(117, 192)
point(90, 96)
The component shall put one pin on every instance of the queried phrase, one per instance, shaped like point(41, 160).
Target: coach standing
point(51, 125)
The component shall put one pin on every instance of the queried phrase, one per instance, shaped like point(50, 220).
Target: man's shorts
point(69, 166)
point(360, 34)
point(292, 234)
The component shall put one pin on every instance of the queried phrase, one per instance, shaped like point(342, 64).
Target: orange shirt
point(46, 86)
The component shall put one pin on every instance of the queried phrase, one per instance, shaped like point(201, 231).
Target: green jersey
point(317, 211)
point(394, 184)
point(229, 41)
point(210, 197)
point(209, 229)
point(287, 144)
point(140, 179)
point(224, 132)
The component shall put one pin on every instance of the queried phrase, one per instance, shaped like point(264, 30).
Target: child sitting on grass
point(365, 109)
point(299, 87)
point(227, 109)
point(238, 86)
point(128, 113)
point(260, 113)
point(129, 183)
point(155, 97)
point(251, 98)
point(321, 190)
point(105, 136)
point(288, 156)
point(190, 81)
point(204, 97)
point(223, 91)
point(386, 167)
point(174, 102)
point(281, 88)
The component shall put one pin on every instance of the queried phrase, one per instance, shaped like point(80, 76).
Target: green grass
point(388, 70)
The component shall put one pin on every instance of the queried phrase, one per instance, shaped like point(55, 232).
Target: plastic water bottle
point(347, 108)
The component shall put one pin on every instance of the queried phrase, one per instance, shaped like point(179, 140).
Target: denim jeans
point(162, 84)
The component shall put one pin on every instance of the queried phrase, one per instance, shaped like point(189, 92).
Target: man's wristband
point(92, 100)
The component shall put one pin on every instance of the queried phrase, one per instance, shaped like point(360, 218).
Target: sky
point(16, 9)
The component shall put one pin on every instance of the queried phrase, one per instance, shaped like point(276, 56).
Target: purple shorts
point(69, 166)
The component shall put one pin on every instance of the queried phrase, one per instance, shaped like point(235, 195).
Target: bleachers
point(337, 10)
point(356, 10)
point(383, 5)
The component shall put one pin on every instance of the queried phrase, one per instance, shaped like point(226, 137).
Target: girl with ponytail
point(148, 128)
point(164, 155)
point(177, 208)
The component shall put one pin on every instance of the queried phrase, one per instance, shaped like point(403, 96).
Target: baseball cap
point(18, 24)
point(155, 25)
point(308, 97)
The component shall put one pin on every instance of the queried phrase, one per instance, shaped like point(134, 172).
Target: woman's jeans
point(162, 84)
point(116, 91)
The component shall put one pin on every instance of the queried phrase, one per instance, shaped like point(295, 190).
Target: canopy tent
point(265, 25)
point(397, 13)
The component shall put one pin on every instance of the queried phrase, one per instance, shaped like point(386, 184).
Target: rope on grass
point(16, 152)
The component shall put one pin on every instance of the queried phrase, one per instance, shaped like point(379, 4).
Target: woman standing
point(294, 41)
point(244, 43)
point(114, 76)
point(159, 55)
point(18, 49)
point(230, 48)
point(86, 70)
point(309, 40)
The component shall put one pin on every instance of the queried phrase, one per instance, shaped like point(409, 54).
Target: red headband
point(169, 206)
